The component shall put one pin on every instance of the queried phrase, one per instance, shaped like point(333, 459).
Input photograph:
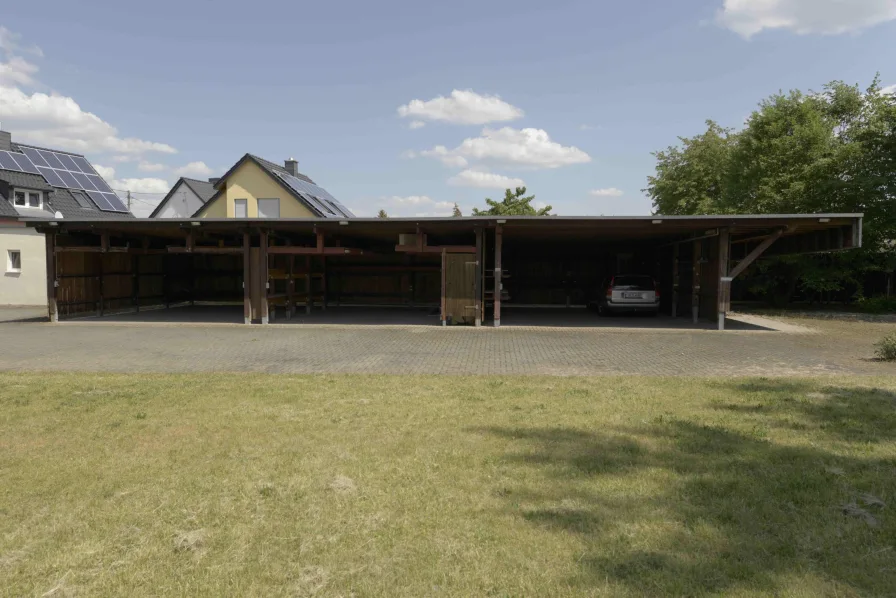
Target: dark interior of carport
point(437, 271)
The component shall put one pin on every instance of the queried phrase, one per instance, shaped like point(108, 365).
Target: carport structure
point(464, 270)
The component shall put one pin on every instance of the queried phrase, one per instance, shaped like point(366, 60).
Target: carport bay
point(442, 270)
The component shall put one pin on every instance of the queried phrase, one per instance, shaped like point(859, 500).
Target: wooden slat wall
point(460, 281)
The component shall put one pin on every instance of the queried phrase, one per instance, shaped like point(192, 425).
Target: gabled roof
point(203, 190)
point(275, 172)
point(57, 200)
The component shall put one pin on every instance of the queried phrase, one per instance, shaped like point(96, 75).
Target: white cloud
point(608, 192)
point(59, 122)
point(532, 148)
point(135, 185)
point(464, 107)
point(414, 205)
point(749, 17)
point(145, 166)
point(888, 90)
point(17, 71)
point(416, 124)
point(485, 180)
point(194, 169)
point(52, 119)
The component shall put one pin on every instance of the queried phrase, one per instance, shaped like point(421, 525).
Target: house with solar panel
point(37, 182)
point(257, 188)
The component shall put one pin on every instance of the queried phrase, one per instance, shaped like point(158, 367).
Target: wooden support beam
point(100, 272)
point(104, 242)
point(499, 275)
point(190, 241)
point(480, 259)
point(290, 285)
point(286, 250)
point(675, 257)
point(320, 241)
point(436, 249)
point(753, 255)
point(52, 283)
point(308, 293)
point(323, 282)
point(695, 284)
point(135, 278)
point(444, 301)
point(265, 279)
point(421, 242)
point(203, 249)
point(247, 278)
point(723, 294)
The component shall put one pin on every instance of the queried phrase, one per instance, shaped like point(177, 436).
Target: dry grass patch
point(257, 485)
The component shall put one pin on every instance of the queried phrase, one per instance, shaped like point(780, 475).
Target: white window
point(14, 261)
point(28, 199)
point(240, 209)
point(269, 208)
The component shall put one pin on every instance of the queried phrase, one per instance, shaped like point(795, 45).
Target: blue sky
point(363, 93)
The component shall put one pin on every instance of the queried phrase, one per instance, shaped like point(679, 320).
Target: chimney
point(292, 166)
point(5, 141)
point(214, 180)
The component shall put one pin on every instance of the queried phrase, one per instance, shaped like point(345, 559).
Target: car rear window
point(633, 283)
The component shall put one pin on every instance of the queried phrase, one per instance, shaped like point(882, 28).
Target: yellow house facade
point(257, 188)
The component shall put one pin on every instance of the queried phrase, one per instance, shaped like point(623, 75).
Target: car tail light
point(610, 289)
point(656, 289)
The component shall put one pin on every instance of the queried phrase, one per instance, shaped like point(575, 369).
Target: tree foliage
point(382, 214)
point(832, 151)
point(456, 211)
point(515, 203)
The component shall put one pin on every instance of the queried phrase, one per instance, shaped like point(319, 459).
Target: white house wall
point(28, 287)
point(183, 203)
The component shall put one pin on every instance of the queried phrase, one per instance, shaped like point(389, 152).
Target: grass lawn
point(254, 485)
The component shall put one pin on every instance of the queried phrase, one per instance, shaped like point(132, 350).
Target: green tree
point(515, 203)
point(456, 212)
point(690, 178)
point(832, 151)
point(382, 214)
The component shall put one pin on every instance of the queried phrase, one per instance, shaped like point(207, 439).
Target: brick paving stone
point(828, 348)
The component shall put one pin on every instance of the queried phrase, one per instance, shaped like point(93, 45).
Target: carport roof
point(608, 227)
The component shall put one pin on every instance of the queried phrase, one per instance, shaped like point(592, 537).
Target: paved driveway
point(826, 348)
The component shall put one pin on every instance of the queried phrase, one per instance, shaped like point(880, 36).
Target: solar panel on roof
point(99, 183)
point(84, 165)
point(68, 162)
point(84, 182)
point(100, 201)
point(51, 177)
point(35, 156)
point(70, 172)
point(24, 163)
point(7, 163)
point(51, 159)
point(67, 179)
point(116, 203)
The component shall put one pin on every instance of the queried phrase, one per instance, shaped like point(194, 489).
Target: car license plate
point(632, 295)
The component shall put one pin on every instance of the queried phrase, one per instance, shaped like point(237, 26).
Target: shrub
point(886, 348)
point(877, 305)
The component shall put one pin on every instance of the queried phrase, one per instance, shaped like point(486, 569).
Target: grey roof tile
point(203, 189)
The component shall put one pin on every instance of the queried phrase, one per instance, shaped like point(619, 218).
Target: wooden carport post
point(695, 283)
point(675, 251)
point(52, 283)
point(444, 287)
point(499, 237)
point(247, 278)
point(724, 291)
point(265, 283)
point(480, 259)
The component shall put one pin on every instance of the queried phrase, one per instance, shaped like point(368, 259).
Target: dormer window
point(23, 198)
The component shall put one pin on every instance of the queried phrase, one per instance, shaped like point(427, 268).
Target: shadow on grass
point(677, 508)
point(856, 414)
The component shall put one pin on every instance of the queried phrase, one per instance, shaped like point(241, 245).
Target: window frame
point(10, 268)
point(87, 204)
point(245, 204)
point(27, 194)
point(261, 199)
